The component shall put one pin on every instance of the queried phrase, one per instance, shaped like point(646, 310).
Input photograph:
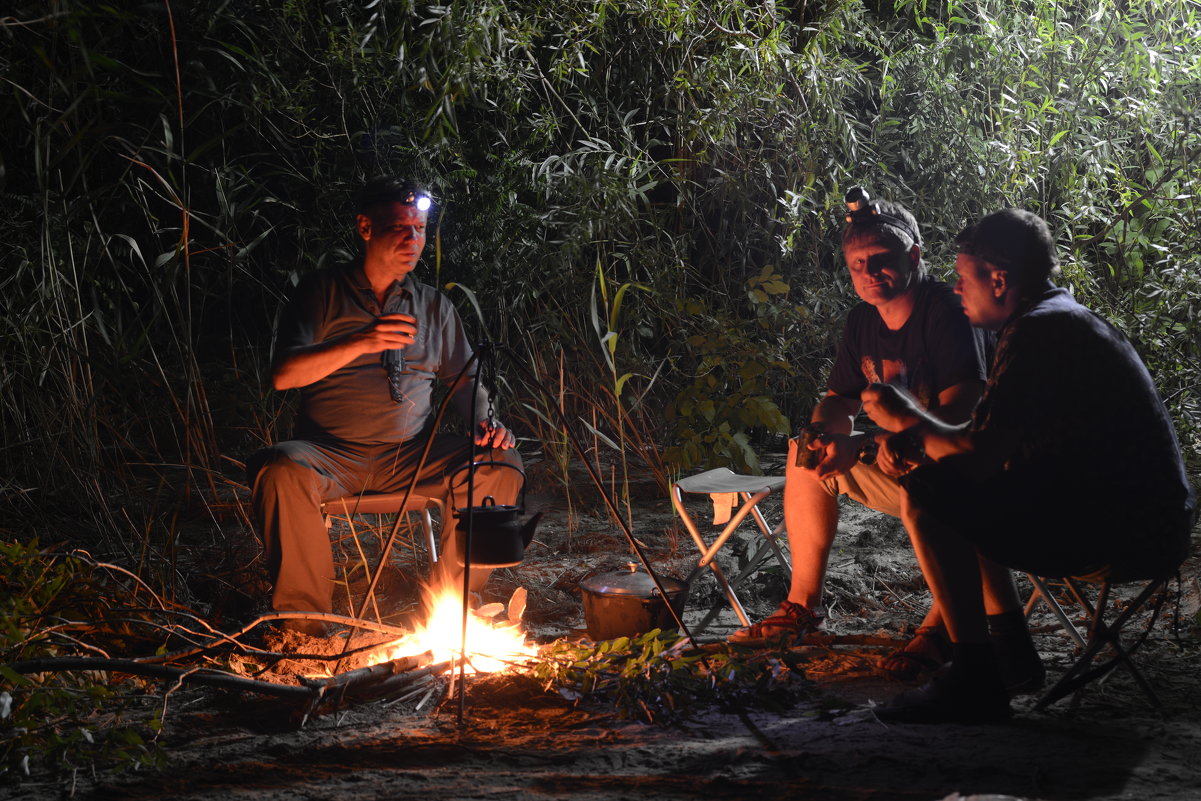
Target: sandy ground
point(514, 741)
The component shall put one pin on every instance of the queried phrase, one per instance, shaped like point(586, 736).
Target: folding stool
point(1100, 633)
point(746, 492)
point(382, 503)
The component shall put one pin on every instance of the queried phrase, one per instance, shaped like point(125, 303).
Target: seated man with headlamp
point(909, 331)
point(365, 342)
point(1069, 467)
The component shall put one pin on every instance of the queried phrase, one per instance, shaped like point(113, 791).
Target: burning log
point(371, 672)
point(416, 658)
point(370, 683)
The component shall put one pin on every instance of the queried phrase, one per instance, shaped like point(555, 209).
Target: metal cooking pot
point(626, 603)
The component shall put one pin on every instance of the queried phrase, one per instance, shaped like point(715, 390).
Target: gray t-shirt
point(354, 403)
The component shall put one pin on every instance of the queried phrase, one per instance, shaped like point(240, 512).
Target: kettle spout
point(527, 530)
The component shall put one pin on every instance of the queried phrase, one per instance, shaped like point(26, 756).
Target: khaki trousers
point(291, 479)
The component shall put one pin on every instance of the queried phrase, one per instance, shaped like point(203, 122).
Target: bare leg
point(972, 690)
point(1000, 593)
point(929, 648)
point(811, 516)
point(953, 571)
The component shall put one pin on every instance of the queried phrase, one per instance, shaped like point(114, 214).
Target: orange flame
point(492, 646)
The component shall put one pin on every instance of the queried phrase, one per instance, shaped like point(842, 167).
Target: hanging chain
point(488, 378)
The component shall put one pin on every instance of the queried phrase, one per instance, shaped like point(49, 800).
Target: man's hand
point(918, 437)
point(494, 436)
point(889, 462)
point(302, 366)
point(891, 408)
point(389, 331)
point(839, 452)
point(898, 454)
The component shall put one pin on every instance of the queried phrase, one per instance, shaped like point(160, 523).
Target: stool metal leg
point(771, 536)
point(1100, 635)
point(770, 547)
point(1043, 593)
point(709, 551)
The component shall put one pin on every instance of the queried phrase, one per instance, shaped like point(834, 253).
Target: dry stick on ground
point(211, 678)
point(318, 695)
point(217, 641)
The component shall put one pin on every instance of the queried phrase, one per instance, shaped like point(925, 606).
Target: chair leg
point(708, 552)
point(771, 537)
point(427, 524)
point(729, 591)
point(1102, 634)
point(715, 609)
point(1043, 593)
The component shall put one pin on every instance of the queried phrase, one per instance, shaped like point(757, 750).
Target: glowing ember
point(492, 647)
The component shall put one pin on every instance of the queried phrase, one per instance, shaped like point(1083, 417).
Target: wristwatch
point(909, 445)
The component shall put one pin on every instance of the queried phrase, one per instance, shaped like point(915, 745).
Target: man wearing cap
point(910, 331)
point(364, 342)
point(1069, 467)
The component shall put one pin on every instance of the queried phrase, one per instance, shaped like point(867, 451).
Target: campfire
point(494, 644)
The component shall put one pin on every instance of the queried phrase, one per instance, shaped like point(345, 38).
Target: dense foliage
point(53, 722)
point(642, 195)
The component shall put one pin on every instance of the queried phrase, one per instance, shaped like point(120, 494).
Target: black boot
point(969, 691)
point(1018, 660)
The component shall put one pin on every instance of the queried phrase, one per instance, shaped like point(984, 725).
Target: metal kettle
point(498, 535)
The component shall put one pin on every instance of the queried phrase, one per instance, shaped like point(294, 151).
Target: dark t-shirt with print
point(936, 349)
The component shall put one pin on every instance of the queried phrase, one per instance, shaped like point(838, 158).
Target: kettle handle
point(496, 463)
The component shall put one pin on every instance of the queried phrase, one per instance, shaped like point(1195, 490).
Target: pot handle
point(495, 463)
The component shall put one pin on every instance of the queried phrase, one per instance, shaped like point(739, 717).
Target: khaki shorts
point(867, 484)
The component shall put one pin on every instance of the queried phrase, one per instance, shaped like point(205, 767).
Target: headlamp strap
point(862, 210)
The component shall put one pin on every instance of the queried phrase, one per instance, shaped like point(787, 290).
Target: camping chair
point(1099, 633)
point(735, 497)
point(386, 503)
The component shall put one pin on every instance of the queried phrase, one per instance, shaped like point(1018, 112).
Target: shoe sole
point(1026, 687)
point(930, 719)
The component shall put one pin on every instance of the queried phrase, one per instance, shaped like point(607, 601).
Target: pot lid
point(632, 581)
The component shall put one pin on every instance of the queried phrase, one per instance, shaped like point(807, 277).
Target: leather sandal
point(927, 651)
point(790, 622)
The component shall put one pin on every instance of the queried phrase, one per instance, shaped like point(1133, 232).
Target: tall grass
point(170, 172)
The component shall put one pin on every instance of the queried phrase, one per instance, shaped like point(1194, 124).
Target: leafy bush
point(171, 172)
point(52, 723)
point(651, 677)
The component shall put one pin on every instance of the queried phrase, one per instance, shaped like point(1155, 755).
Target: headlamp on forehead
point(862, 210)
point(420, 200)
